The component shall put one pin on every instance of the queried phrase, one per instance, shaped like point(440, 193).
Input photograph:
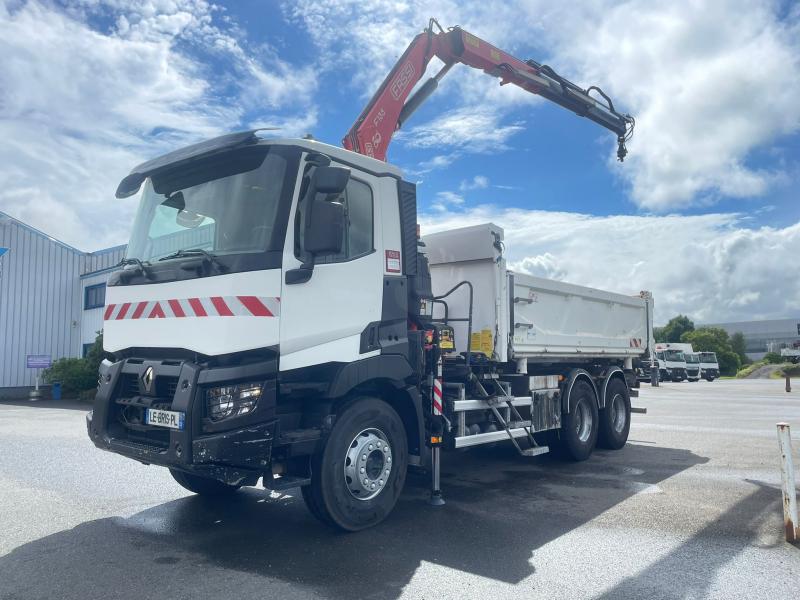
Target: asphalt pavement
point(690, 508)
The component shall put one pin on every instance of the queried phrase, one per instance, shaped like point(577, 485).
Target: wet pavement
point(690, 508)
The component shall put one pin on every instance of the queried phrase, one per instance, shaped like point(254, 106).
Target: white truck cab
point(692, 366)
point(709, 367)
point(672, 362)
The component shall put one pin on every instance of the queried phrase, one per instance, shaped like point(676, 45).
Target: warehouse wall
point(98, 266)
point(40, 301)
point(92, 318)
point(764, 336)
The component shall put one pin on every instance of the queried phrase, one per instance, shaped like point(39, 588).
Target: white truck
point(671, 362)
point(709, 367)
point(791, 353)
point(277, 320)
point(690, 357)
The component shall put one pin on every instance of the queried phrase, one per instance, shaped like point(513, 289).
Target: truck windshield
point(708, 357)
point(231, 204)
point(692, 358)
point(674, 356)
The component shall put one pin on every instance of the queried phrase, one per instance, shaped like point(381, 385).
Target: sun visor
point(132, 182)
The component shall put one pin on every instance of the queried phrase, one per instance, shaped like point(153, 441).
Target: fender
point(393, 368)
point(612, 372)
point(574, 376)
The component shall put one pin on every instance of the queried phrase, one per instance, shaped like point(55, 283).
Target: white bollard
point(787, 478)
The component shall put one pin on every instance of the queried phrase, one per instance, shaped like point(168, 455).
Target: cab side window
point(358, 234)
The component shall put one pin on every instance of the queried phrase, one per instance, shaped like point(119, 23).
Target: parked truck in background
point(671, 362)
point(709, 367)
point(791, 353)
point(278, 320)
point(691, 358)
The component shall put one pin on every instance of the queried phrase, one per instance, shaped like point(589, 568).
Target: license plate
point(164, 418)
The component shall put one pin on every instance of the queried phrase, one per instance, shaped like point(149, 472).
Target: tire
point(710, 378)
point(615, 418)
point(203, 486)
point(336, 495)
point(577, 436)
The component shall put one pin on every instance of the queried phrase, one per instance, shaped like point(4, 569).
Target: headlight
point(232, 400)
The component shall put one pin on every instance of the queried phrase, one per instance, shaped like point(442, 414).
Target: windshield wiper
point(134, 261)
point(194, 252)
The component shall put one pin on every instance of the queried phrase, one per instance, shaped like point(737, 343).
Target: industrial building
point(761, 337)
point(51, 299)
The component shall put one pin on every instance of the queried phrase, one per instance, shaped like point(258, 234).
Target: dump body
point(553, 318)
point(519, 316)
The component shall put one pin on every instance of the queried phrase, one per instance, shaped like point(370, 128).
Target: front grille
point(128, 385)
point(130, 403)
point(165, 386)
point(144, 445)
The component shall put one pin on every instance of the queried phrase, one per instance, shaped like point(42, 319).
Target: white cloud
point(711, 267)
point(708, 82)
point(478, 182)
point(471, 129)
point(446, 200)
point(79, 107)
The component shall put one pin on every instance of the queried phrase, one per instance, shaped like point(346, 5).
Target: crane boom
point(391, 106)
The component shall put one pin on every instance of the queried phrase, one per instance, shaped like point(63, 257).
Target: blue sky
point(704, 212)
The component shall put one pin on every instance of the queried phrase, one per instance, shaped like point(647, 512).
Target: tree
point(77, 375)
point(738, 345)
point(714, 339)
point(672, 331)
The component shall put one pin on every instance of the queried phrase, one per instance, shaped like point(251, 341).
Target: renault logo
point(147, 379)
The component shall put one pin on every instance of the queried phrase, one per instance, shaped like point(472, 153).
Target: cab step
point(535, 451)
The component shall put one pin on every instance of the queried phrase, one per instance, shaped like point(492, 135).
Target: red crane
point(391, 106)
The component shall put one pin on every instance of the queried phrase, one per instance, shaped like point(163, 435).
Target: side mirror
point(330, 180)
point(325, 228)
point(325, 220)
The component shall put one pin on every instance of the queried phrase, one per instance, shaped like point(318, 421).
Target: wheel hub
point(618, 413)
point(368, 464)
point(583, 420)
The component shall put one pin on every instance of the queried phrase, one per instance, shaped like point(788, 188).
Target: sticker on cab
point(393, 261)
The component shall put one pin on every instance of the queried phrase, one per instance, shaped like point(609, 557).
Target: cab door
point(322, 319)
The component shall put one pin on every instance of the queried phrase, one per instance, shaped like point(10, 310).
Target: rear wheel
point(578, 434)
point(359, 473)
point(204, 486)
point(615, 418)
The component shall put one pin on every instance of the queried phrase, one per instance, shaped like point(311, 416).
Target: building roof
point(92, 258)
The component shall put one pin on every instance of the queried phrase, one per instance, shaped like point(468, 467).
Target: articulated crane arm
point(390, 107)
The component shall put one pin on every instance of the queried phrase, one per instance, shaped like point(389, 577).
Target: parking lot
point(690, 508)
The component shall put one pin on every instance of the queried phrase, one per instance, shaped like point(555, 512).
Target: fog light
point(232, 400)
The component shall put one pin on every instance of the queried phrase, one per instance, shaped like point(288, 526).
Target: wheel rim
point(583, 416)
point(618, 413)
point(368, 464)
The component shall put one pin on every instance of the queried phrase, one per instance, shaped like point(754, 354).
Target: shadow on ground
point(500, 508)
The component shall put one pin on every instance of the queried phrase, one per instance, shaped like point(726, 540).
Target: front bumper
point(236, 450)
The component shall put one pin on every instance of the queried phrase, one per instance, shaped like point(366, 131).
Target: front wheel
point(203, 486)
point(358, 474)
point(615, 418)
